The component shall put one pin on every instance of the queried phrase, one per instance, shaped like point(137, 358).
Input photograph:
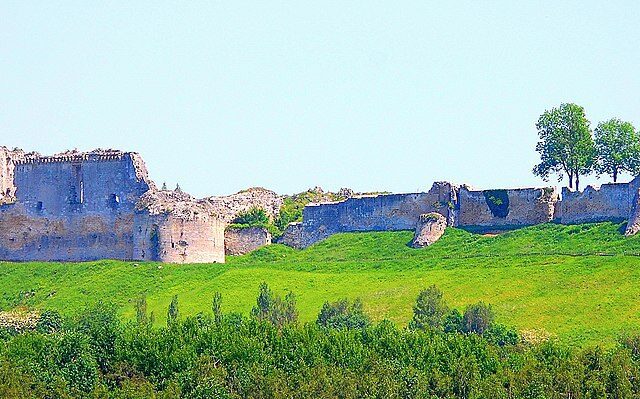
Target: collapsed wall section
point(505, 209)
point(229, 206)
point(371, 213)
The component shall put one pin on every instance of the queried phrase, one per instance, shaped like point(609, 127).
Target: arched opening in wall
point(154, 243)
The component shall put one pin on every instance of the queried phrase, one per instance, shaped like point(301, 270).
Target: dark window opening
point(77, 190)
point(114, 201)
point(39, 206)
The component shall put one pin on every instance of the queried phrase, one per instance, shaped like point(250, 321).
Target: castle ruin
point(80, 206)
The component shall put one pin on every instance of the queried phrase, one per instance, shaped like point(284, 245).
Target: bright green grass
point(581, 283)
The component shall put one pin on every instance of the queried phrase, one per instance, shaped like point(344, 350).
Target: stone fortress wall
point(479, 211)
point(78, 206)
point(613, 201)
point(504, 209)
point(100, 205)
point(72, 207)
point(240, 241)
point(369, 213)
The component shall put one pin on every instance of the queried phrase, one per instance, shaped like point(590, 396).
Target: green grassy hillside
point(581, 283)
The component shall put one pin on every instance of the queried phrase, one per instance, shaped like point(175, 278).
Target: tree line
point(568, 147)
point(442, 353)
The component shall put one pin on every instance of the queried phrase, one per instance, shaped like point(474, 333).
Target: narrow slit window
point(114, 201)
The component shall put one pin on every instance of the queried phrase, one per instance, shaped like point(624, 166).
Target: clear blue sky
point(220, 96)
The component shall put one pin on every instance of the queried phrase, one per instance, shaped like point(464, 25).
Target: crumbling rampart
point(77, 206)
point(8, 160)
point(505, 209)
point(372, 213)
point(242, 240)
point(474, 210)
point(608, 202)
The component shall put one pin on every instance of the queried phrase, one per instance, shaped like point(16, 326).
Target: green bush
point(254, 217)
point(477, 318)
point(274, 309)
point(429, 310)
point(50, 321)
point(498, 202)
point(343, 314)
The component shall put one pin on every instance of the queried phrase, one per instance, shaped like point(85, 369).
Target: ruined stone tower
point(78, 206)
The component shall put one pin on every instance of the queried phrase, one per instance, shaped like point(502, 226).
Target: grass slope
point(581, 283)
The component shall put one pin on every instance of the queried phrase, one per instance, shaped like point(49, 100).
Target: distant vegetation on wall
point(498, 202)
point(254, 217)
point(291, 210)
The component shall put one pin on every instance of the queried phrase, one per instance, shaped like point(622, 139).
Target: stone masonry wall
point(374, 213)
point(240, 241)
point(515, 208)
point(72, 207)
point(609, 202)
point(174, 227)
point(174, 239)
point(28, 237)
point(85, 183)
point(292, 236)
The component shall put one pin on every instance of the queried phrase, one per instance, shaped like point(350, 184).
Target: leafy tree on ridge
point(617, 147)
point(566, 145)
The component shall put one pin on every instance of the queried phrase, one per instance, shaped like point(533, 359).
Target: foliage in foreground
point(230, 356)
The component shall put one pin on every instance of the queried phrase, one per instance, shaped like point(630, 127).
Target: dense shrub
point(231, 356)
point(477, 318)
point(274, 309)
point(430, 310)
point(252, 217)
point(343, 314)
point(50, 321)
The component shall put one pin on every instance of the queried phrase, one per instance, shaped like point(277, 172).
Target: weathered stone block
point(430, 228)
